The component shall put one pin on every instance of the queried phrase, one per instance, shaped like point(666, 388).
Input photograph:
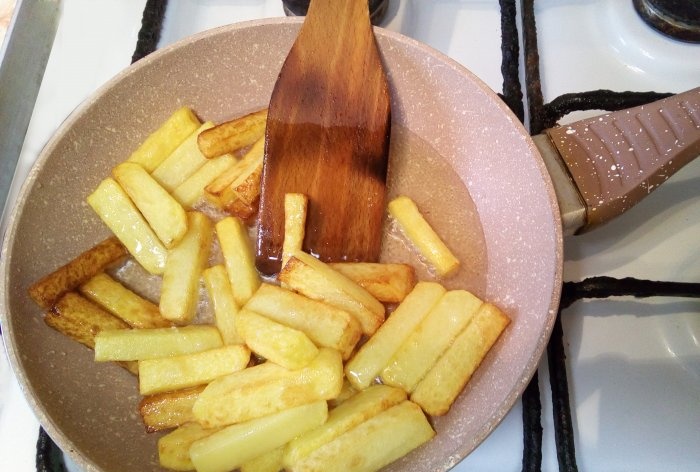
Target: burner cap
point(675, 18)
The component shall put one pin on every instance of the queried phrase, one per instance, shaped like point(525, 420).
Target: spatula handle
point(617, 159)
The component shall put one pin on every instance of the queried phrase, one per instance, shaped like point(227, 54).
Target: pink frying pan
point(456, 149)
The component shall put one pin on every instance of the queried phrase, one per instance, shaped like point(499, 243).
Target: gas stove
point(631, 365)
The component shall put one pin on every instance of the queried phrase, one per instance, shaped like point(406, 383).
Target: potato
point(372, 444)
point(163, 141)
point(123, 303)
point(324, 324)
point(168, 409)
point(224, 305)
point(81, 320)
point(276, 342)
point(234, 135)
point(375, 354)
point(238, 257)
point(268, 388)
point(422, 235)
point(237, 444)
point(424, 346)
point(269, 462)
point(189, 192)
point(238, 189)
point(164, 214)
point(179, 292)
point(317, 280)
point(357, 409)
point(388, 283)
point(68, 277)
point(436, 392)
point(189, 370)
point(118, 212)
point(174, 447)
point(151, 343)
point(295, 205)
point(184, 161)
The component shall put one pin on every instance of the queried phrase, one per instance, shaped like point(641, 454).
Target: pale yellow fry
point(163, 141)
point(225, 306)
point(430, 339)
point(372, 444)
point(355, 410)
point(274, 341)
point(422, 235)
point(295, 205)
point(169, 409)
point(245, 395)
point(189, 192)
point(375, 354)
point(239, 259)
point(324, 324)
point(443, 383)
point(118, 212)
point(163, 213)
point(231, 136)
point(317, 280)
point(47, 290)
point(151, 343)
point(122, 302)
point(189, 370)
point(388, 283)
point(237, 444)
point(179, 292)
point(182, 162)
point(269, 462)
point(174, 447)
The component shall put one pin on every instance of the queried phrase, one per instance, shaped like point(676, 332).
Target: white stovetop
point(634, 366)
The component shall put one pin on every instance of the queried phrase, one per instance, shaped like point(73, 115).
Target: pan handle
point(617, 159)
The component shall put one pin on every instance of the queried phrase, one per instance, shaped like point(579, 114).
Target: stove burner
point(677, 19)
point(377, 9)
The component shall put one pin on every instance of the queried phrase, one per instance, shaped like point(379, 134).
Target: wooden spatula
point(327, 137)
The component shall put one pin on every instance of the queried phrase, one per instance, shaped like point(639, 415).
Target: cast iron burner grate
point(542, 115)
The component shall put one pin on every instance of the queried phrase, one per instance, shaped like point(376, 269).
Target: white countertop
point(634, 366)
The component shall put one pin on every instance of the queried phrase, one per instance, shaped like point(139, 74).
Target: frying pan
point(512, 251)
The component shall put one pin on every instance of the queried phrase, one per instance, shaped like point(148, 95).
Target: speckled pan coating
point(91, 410)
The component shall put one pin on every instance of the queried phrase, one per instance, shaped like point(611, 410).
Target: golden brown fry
point(373, 443)
point(423, 236)
point(441, 385)
point(179, 292)
point(182, 162)
point(174, 447)
point(268, 388)
point(231, 136)
point(189, 370)
point(81, 320)
point(315, 279)
point(122, 302)
point(295, 205)
point(164, 214)
point(375, 354)
point(68, 277)
point(163, 141)
point(324, 324)
point(169, 409)
point(430, 339)
point(239, 258)
point(388, 283)
point(238, 189)
point(189, 192)
point(118, 212)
